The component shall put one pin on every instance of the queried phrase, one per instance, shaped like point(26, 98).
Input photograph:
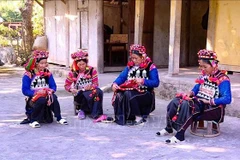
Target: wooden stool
point(210, 129)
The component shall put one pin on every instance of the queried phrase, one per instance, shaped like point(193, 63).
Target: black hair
point(84, 60)
point(136, 52)
point(39, 59)
point(208, 61)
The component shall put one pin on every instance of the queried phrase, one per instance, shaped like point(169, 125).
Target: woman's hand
point(190, 94)
point(115, 87)
point(73, 91)
point(88, 87)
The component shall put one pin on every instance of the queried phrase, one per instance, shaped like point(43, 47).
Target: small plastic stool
point(202, 129)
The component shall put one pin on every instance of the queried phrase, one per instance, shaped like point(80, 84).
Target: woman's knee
point(54, 97)
point(41, 100)
point(126, 93)
point(99, 92)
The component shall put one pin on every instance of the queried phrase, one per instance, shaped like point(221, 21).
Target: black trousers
point(86, 103)
point(191, 111)
point(129, 104)
point(39, 111)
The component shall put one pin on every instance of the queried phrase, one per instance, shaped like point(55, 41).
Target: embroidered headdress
point(138, 49)
point(211, 56)
point(80, 54)
point(207, 54)
point(36, 57)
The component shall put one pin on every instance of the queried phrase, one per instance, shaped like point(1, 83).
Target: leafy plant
point(9, 10)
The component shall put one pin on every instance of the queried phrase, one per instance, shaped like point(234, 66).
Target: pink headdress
point(80, 54)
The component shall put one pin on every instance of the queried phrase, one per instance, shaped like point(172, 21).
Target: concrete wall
point(226, 38)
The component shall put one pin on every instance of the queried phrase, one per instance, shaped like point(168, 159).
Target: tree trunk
point(26, 13)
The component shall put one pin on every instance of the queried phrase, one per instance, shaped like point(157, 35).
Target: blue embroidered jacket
point(31, 83)
point(217, 89)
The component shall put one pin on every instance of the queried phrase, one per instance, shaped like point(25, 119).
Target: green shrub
point(8, 32)
point(3, 41)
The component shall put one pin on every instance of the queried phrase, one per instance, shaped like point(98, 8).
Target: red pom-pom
point(174, 118)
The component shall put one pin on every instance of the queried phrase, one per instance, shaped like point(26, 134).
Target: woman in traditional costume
point(39, 86)
point(207, 100)
point(82, 82)
point(134, 97)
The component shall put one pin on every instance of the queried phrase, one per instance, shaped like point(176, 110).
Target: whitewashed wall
point(96, 34)
point(62, 33)
point(74, 35)
point(56, 30)
point(75, 25)
point(50, 29)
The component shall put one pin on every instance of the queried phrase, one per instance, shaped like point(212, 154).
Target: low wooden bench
point(205, 128)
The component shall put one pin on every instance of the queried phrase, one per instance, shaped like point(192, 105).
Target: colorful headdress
point(211, 56)
point(80, 54)
point(206, 54)
point(138, 49)
point(35, 57)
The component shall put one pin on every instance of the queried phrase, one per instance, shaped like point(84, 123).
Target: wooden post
point(175, 35)
point(95, 45)
point(139, 17)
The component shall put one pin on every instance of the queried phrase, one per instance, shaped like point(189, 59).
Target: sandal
point(141, 121)
point(163, 132)
point(25, 121)
point(173, 140)
point(62, 121)
point(101, 118)
point(35, 124)
point(108, 120)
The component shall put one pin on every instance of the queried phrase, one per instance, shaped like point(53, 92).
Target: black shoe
point(130, 122)
point(25, 121)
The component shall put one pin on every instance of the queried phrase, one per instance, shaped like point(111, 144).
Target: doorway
point(116, 28)
point(193, 31)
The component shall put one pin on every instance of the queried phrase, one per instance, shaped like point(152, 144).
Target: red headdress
point(139, 50)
